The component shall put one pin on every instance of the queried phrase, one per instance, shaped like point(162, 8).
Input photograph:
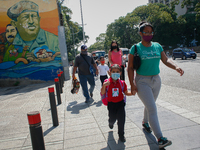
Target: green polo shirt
point(150, 58)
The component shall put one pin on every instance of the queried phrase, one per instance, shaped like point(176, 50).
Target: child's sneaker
point(110, 126)
point(147, 127)
point(122, 138)
point(163, 142)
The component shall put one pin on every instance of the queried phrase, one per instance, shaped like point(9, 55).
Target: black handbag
point(136, 60)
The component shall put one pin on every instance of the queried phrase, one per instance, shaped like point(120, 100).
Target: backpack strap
point(122, 84)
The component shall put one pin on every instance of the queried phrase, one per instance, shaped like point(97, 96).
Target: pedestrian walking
point(115, 89)
point(83, 61)
point(103, 70)
point(115, 57)
point(147, 82)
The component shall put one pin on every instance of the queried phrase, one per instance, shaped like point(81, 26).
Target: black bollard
point(60, 83)
point(53, 106)
point(36, 132)
point(62, 77)
point(57, 90)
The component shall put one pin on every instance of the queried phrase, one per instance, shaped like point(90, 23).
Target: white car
point(125, 52)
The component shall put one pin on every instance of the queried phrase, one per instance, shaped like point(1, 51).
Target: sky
point(97, 14)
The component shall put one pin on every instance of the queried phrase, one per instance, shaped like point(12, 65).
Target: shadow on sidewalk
point(112, 144)
point(24, 88)
point(150, 138)
point(98, 104)
point(49, 130)
point(75, 108)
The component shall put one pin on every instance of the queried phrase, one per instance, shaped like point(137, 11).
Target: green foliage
point(73, 33)
point(99, 44)
point(196, 8)
point(168, 29)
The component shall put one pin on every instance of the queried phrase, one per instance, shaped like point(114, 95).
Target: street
point(182, 91)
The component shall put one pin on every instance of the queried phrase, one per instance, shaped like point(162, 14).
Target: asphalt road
point(182, 91)
point(191, 78)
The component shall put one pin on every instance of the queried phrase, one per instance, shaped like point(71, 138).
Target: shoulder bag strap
point(85, 60)
point(122, 87)
point(135, 49)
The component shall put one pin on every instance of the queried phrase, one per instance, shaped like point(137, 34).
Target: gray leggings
point(148, 90)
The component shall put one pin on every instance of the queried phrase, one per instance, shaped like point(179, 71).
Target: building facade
point(178, 9)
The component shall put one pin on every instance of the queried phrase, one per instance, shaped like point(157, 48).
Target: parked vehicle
point(183, 53)
point(98, 54)
point(125, 52)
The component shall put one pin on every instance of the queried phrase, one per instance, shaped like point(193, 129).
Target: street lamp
point(82, 22)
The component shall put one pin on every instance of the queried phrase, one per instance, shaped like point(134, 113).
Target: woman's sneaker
point(163, 142)
point(147, 127)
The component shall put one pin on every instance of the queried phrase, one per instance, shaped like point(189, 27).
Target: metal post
point(53, 106)
point(62, 79)
point(57, 90)
point(82, 22)
point(60, 83)
point(36, 132)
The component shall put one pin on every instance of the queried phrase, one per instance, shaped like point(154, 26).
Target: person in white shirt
point(103, 70)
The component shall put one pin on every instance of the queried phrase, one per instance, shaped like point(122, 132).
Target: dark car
point(98, 54)
point(183, 53)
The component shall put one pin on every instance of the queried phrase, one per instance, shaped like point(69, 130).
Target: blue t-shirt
point(150, 58)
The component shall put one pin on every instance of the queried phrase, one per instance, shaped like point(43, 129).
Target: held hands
point(133, 89)
point(179, 70)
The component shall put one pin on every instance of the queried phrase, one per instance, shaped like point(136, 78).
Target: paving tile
point(83, 141)
point(82, 133)
point(97, 146)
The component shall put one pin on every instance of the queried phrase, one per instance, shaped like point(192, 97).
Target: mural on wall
point(29, 45)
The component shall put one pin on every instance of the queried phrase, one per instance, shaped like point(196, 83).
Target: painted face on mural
point(10, 33)
point(28, 25)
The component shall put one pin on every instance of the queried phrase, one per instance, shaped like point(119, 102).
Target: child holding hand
point(116, 102)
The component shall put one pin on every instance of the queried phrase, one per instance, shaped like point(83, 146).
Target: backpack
point(104, 97)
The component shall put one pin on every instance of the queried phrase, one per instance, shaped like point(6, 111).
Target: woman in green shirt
point(147, 82)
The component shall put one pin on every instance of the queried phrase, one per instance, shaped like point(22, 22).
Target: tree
point(196, 4)
point(73, 33)
point(125, 29)
point(99, 44)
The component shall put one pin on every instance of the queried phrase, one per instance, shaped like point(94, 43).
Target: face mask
point(102, 62)
point(114, 47)
point(147, 38)
point(84, 52)
point(115, 76)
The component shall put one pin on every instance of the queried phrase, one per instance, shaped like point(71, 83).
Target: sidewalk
point(85, 126)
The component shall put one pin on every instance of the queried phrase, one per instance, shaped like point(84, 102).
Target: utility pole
point(62, 43)
point(82, 22)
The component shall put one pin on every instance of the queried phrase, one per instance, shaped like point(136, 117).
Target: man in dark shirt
point(83, 62)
